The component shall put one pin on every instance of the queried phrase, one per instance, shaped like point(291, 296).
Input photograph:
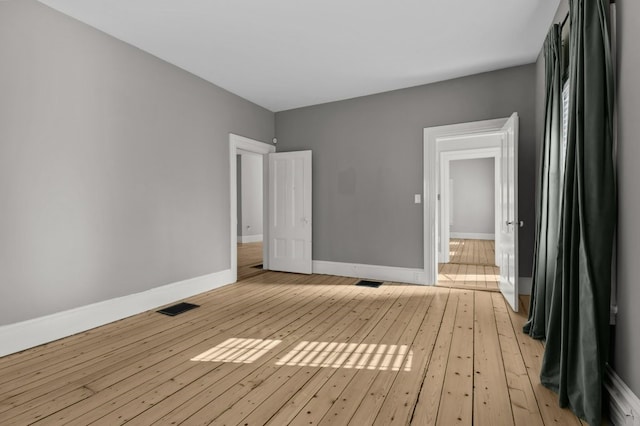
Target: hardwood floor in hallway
point(472, 252)
point(283, 349)
point(249, 260)
point(471, 266)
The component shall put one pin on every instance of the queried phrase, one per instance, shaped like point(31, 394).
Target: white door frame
point(240, 143)
point(445, 163)
point(436, 140)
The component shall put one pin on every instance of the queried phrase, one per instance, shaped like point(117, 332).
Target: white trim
point(472, 235)
point(250, 238)
point(624, 405)
point(431, 137)
point(372, 272)
point(524, 285)
point(26, 334)
point(473, 151)
point(236, 144)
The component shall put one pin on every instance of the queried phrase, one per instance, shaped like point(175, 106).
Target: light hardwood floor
point(471, 266)
point(284, 349)
point(249, 256)
point(472, 252)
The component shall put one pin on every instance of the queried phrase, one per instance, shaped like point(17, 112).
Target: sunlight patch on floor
point(362, 356)
point(238, 350)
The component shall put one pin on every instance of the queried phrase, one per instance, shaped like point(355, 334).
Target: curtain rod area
point(564, 21)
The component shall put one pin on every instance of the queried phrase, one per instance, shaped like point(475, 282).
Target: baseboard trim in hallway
point(372, 272)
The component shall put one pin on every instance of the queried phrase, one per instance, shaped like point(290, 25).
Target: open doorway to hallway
point(470, 194)
point(480, 139)
point(250, 203)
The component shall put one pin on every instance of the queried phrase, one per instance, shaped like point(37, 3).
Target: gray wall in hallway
point(114, 174)
point(473, 196)
point(250, 195)
point(627, 338)
point(239, 194)
point(367, 155)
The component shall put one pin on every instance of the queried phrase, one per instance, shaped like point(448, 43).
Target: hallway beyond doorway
point(472, 252)
point(249, 260)
point(471, 265)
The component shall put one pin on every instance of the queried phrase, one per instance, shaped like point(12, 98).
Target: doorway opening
point(469, 188)
point(250, 213)
point(443, 145)
point(248, 162)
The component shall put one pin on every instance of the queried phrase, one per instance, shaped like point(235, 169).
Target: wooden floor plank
point(491, 403)
point(218, 395)
point(177, 372)
point(326, 388)
point(401, 395)
point(523, 401)
point(531, 351)
point(472, 252)
point(470, 361)
point(62, 347)
point(196, 380)
point(429, 395)
point(276, 402)
point(470, 267)
point(148, 324)
point(456, 403)
point(249, 257)
point(120, 373)
point(367, 390)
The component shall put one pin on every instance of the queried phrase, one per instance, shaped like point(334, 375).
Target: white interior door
point(508, 239)
point(290, 212)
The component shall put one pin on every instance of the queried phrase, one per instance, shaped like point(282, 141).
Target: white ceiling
point(284, 54)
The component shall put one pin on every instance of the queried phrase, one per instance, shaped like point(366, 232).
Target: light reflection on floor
point(369, 356)
point(238, 350)
point(362, 356)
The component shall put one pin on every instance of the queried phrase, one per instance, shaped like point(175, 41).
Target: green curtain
point(577, 340)
point(549, 191)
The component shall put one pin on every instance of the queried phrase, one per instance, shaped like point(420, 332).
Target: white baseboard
point(26, 334)
point(524, 285)
point(624, 405)
point(250, 238)
point(372, 272)
point(472, 235)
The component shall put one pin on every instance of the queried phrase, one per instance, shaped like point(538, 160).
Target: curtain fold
point(577, 339)
point(549, 190)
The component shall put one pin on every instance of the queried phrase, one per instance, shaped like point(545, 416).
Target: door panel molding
point(290, 212)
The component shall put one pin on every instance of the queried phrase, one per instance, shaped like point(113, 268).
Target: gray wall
point(627, 337)
point(114, 174)
point(239, 194)
point(473, 199)
point(250, 195)
point(367, 160)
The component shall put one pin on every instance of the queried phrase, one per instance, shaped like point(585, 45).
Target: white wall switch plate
point(417, 198)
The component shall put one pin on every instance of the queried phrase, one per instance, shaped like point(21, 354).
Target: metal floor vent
point(174, 310)
point(257, 266)
point(366, 283)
